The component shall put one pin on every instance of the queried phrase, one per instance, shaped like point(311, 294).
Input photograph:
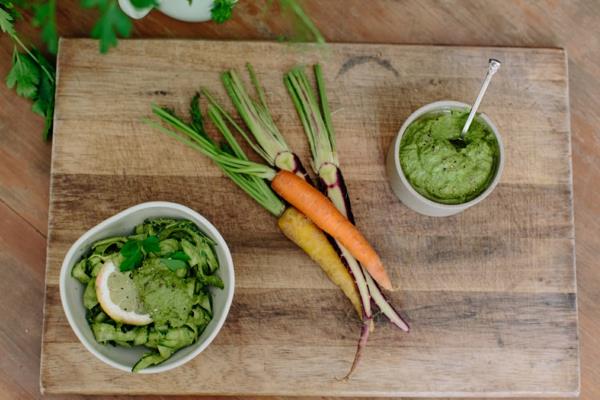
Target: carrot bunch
point(314, 113)
point(348, 259)
point(293, 189)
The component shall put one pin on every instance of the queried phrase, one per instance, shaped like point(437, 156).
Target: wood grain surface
point(491, 292)
point(25, 159)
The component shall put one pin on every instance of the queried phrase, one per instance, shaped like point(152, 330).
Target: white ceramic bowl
point(404, 190)
point(71, 290)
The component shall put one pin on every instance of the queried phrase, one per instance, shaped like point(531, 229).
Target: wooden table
point(25, 159)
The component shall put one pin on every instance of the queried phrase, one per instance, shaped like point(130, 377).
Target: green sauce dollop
point(439, 169)
point(166, 296)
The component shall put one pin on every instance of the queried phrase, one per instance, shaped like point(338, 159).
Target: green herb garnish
point(45, 18)
point(112, 21)
point(132, 252)
point(222, 10)
point(31, 75)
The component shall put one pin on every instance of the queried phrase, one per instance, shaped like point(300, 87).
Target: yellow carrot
point(312, 203)
point(313, 241)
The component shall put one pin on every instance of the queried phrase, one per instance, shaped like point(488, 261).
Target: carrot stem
point(268, 141)
point(256, 115)
point(362, 343)
point(246, 174)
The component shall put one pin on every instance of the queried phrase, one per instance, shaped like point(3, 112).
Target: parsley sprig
point(45, 18)
point(133, 252)
point(112, 21)
point(31, 75)
point(222, 10)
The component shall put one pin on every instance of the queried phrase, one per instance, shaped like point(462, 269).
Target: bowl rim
point(447, 105)
point(220, 320)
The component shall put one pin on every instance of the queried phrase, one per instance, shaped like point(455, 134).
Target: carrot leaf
point(269, 142)
point(314, 115)
point(231, 159)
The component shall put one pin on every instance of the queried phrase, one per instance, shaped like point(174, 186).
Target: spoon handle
point(493, 67)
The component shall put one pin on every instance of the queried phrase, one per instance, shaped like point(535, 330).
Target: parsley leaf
point(130, 247)
point(132, 252)
point(6, 22)
point(132, 255)
point(112, 22)
point(31, 75)
point(44, 104)
point(151, 244)
point(10, 7)
point(131, 262)
point(222, 10)
point(24, 75)
point(45, 17)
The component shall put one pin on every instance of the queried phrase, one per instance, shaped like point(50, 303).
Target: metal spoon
point(493, 67)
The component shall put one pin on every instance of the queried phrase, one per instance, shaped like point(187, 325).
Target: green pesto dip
point(439, 169)
point(166, 296)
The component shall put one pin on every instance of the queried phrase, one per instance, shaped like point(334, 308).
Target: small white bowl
point(183, 10)
point(404, 190)
point(71, 290)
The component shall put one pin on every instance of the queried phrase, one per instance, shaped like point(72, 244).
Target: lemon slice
point(118, 296)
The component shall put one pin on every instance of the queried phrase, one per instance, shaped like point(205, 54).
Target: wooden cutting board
point(490, 293)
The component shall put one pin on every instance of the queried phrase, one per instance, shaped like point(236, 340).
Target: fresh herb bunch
point(31, 75)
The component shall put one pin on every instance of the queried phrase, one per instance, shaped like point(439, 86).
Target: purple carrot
point(316, 120)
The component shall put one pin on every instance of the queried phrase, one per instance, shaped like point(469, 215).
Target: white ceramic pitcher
point(197, 11)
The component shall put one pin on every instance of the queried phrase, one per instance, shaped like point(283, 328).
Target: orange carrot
point(326, 216)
